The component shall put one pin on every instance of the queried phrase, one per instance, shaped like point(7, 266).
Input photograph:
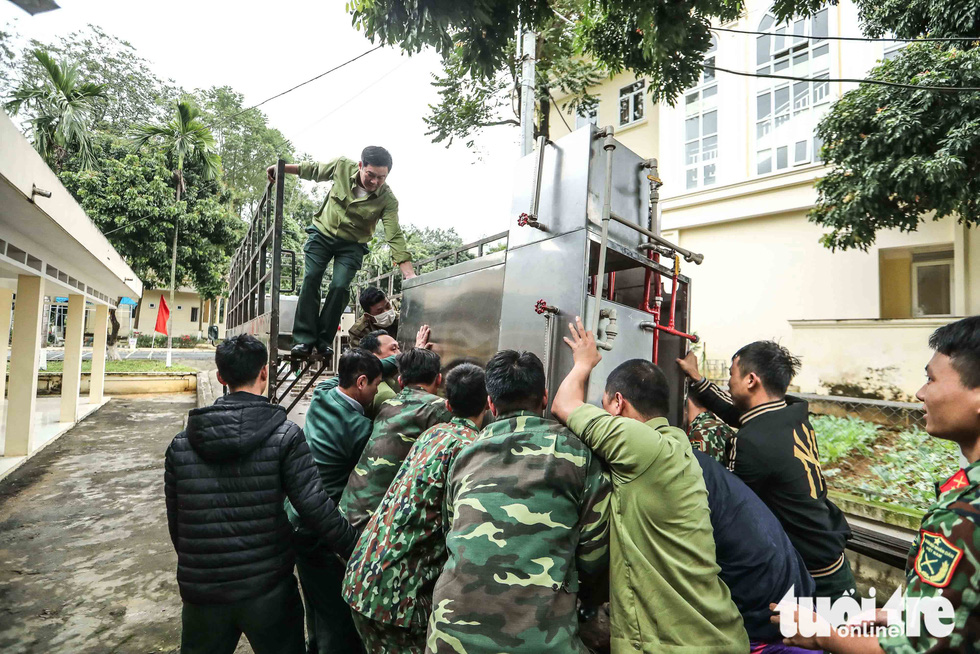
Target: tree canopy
point(131, 199)
point(899, 154)
point(58, 106)
point(470, 101)
point(896, 154)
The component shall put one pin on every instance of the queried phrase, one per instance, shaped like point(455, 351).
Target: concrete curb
point(208, 388)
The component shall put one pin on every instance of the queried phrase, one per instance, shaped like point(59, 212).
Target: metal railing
point(386, 281)
point(255, 283)
point(254, 277)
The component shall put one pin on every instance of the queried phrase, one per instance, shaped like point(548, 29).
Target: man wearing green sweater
point(665, 594)
point(341, 230)
point(336, 430)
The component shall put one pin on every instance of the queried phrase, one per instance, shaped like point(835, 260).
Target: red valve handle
point(523, 220)
point(540, 307)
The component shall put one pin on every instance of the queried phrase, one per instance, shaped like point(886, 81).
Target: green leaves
point(183, 137)
point(899, 154)
point(131, 199)
point(59, 108)
point(881, 464)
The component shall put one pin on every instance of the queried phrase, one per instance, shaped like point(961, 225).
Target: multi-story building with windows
point(739, 157)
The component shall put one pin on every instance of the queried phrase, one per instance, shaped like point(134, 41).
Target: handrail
point(479, 245)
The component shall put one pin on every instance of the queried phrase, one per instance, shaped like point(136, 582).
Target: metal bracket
point(38, 191)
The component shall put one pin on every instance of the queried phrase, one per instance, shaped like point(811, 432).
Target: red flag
point(163, 313)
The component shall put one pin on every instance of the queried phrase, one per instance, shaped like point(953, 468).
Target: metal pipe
point(538, 170)
point(609, 145)
point(673, 291)
point(651, 277)
point(528, 42)
point(610, 332)
point(611, 286)
point(649, 324)
point(693, 257)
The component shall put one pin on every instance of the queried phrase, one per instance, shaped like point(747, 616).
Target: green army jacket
point(403, 547)
point(526, 515)
point(350, 218)
point(710, 435)
point(944, 561)
point(400, 421)
point(336, 433)
point(665, 594)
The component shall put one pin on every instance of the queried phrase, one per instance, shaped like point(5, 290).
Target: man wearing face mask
point(341, 230)
point(379, 313)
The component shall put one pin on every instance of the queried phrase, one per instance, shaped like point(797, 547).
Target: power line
point(878, 82)
point(351, 99)
point(892, 39)
point(301, 84)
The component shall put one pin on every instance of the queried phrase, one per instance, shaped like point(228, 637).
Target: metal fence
point(881, 412)
point(391, 282)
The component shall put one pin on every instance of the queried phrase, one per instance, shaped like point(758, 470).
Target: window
point(916, 282)
point(787, 112)
point(932, 284)
point(152, 306)
point(194, 311)
point(591, 116)
point(179, 307)
point(631, 103)
point(701, 126)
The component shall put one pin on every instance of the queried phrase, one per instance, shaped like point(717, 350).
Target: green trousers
point(328, 618)
point(314, 325)
point(272, 623)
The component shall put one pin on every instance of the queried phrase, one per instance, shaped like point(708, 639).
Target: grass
point(882, 464)
point(126, 365)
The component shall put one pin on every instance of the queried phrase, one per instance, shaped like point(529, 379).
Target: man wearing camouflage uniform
point(527, 513)
point(707, 433)
point(403, 548)
point(944, 561)
point(399, 422)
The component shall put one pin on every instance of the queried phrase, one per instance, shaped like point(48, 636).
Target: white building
point(738, 157)
point(48, 248)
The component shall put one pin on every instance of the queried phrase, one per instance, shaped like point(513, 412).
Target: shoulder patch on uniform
point(937, 559)
point(959, 480)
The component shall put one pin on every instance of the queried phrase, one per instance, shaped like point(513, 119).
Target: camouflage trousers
point(381, 638)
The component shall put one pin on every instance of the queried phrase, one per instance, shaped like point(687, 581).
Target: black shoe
point(326, 351)
point(301, 351)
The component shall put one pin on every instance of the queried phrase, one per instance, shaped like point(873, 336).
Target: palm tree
point(61, 106)
point(182, 138)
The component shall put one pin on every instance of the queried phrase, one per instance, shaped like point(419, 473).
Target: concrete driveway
point(86, 563)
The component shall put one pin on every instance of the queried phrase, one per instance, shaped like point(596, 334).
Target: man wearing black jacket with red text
point(227, 475)
point(775, 454)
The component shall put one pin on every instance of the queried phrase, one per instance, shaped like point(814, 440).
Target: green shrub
point(904, 466)
point(159, 340)
point(839, 436)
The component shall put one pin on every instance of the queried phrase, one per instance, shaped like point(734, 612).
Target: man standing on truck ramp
point(341, 230)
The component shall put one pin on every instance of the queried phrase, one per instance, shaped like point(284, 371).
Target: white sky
point(263, 48)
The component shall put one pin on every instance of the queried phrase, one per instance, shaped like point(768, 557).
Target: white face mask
point(385, 318)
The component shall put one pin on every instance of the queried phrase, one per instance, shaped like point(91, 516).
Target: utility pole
point(526, 55)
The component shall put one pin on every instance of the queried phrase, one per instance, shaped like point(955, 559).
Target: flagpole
point(153, 340)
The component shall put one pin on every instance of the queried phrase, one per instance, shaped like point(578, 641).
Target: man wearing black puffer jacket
point(227, 475)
